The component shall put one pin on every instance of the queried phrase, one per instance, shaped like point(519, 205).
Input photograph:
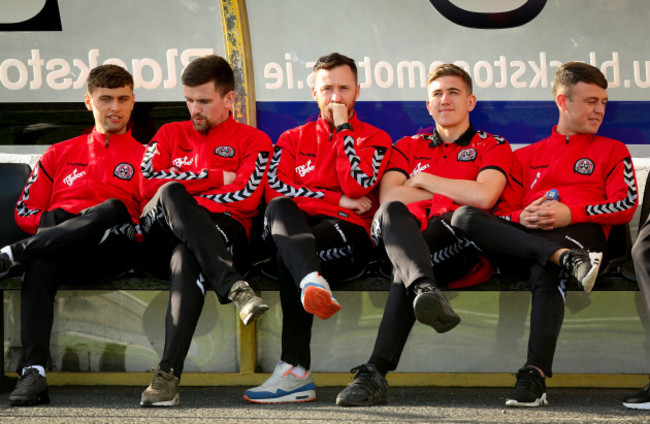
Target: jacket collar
point(462, 141)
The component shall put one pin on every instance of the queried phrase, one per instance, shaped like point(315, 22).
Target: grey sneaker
point(31, 389)
point(368, 388)
point(583, 266)
point(432, 308)
point(249, 305)
point(163, 390)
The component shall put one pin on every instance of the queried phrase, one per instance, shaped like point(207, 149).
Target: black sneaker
point(639, 400)
point(31, 389)
point(530, 389)
point(5, 264)
point(583, 266)
point(432, 308)
point(368, 388)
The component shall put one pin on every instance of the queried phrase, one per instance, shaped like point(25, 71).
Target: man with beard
point(204, 180)
point(321, 192)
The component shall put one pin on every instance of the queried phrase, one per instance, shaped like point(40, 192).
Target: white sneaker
point(283, 386)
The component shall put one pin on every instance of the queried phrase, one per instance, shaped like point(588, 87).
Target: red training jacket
point(84, 171)
point(180, 153)
point(315, 166)
point(593, 175)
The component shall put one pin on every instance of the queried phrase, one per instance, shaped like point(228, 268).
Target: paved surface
point(408, 405)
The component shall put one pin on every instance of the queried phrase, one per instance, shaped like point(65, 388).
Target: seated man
point(564, 194)
point(429, 176)
point(205, 180)
point(80, 203)
point(321, 182)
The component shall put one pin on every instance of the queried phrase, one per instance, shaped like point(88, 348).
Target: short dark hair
point(571, 73)
point(334, 60)
point(108, 76)
point(450, 70)
point(205, 69)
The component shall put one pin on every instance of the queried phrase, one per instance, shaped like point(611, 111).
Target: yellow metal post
point(238, 52)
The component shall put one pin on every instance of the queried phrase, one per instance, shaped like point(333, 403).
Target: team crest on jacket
point(467, 155)
point(124, 171)
point(224, 151)
point(584, 166)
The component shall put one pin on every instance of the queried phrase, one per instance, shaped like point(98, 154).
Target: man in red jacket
point(203, 180)
point(80, 203)
point(428, 177)
point(563, 195)
point(321, 201)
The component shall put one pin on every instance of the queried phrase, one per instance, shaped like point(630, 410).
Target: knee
point(276, 206)
point(172, 190)
point(390, 209)
point(464, 217)
point(116, 207)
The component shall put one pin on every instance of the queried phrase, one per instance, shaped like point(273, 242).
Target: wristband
point(346, 126)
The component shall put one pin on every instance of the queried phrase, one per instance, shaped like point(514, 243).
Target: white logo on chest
point(70, 179)
point(179, 162)
point(419, 169)
point(303, 170)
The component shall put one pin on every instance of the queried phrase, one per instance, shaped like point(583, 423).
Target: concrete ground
point(101, 404)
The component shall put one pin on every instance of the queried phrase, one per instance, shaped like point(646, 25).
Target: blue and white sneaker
point(316, 297)
point(283, 386)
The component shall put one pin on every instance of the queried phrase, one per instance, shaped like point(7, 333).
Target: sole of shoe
point(318, 301)
point(643, 406)
point(173, 402)
point(588, 282)
point(541, 401)
point(41, 399)
point(306, 396)
point(249, 315)
point(435, 311)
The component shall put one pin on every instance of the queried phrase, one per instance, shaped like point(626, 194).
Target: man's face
point(111, 108)
point(208, 108)
point(584, 111)
point(336, 85)
point(449, 102)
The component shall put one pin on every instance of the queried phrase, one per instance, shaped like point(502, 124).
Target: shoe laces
point(425, 287)
point(367, 378)
point(241, 294)
point(160, 381)
point(572, 259)
point(30, 378)
point(529, 378)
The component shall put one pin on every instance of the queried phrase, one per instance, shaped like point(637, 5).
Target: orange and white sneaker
point(316, 296)
point(284, 386)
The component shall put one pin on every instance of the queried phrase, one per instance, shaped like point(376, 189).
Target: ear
point(88, 101)
point(229, 99)
point(356, 96)
point(561, 100)
point(471, 102)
